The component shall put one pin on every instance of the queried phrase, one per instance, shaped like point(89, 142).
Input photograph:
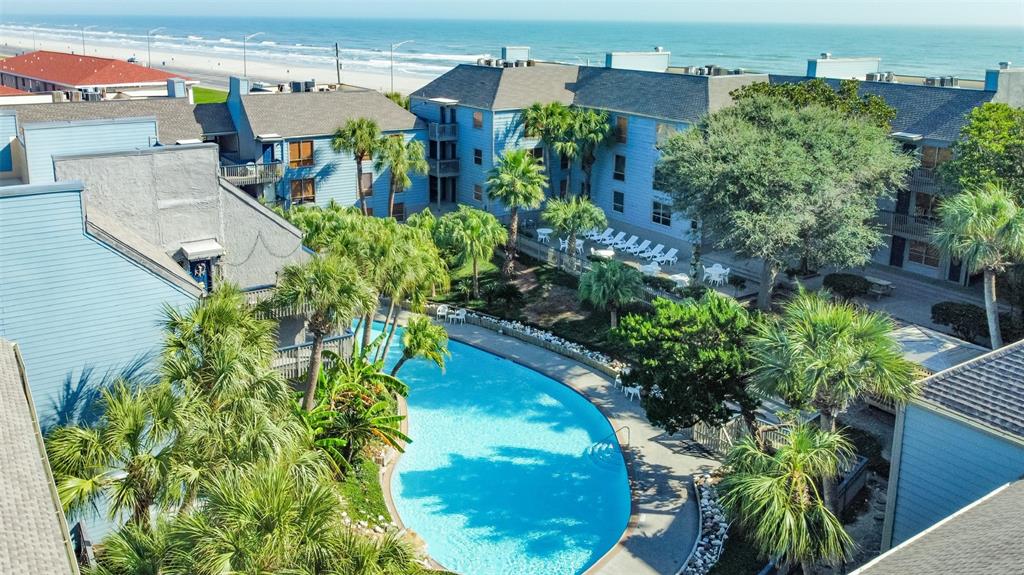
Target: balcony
point(907, 225)
point(924, 180)
point(249, 174)
point(443, 132)
point(444, 168)
point(292, 362)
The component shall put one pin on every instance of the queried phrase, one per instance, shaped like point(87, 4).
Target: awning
point(202, 249)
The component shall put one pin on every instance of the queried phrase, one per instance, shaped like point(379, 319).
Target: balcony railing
point(249, 174)
point(444, 168)
point(924, 180)
point(442, 132)
point(293, 361)
point(260, 299)
point(909, 225)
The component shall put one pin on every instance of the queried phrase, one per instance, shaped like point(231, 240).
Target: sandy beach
point(215, 69)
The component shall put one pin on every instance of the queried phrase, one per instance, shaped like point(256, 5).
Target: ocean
point(438, 45)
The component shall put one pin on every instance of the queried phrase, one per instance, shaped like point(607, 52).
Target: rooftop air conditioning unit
point(93, 97)
point(488, 62)
point(531, 62)
point(932, 81)
point(890, 77)
point(875, 77)
point(76, 96)
point(295, 86)
point(520, 63)
point(310, 85)
point(953, 82)
point(481, 61)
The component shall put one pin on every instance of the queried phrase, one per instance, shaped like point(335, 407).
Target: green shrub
point(848, 286)
point(967, 321)
point(658, 282)
point(502, 293)
point(694, 291)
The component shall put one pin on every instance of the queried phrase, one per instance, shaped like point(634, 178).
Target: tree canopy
point(689, 359)
point(818, 92)
point(990, 150)
point(777, 182)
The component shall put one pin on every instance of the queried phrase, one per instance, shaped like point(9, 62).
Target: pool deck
point(663, 527)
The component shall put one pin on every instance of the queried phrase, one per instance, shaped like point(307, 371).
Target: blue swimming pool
point(509, 471)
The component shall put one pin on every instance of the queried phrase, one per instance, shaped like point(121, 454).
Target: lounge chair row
point(631, 246)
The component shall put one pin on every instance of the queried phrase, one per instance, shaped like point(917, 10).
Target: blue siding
point(470, 139)
point(44, 141)
point(8, 131)
point(72, 303)
point(335, 178)
point(946, 464)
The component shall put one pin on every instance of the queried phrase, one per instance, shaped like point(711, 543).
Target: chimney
point(237, 87)
point(1008, 84)
point(176, 88)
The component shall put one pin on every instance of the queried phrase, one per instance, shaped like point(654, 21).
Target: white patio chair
point(625, 245)
point(563, 244)
point(713, 271)
point(543, 238)
point(651, 254)
point(441, 312)
point(613, 241)
point(604, 235)
point(631, 392)
point(668, 257)
point(459, 316)
point(579, 247)
point(640, 248)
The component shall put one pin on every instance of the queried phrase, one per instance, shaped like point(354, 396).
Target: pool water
point(509, 472)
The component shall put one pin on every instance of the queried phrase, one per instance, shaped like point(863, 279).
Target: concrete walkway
point(664, 524)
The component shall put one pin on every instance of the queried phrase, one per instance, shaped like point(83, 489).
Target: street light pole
point(83, 37)
point(245, 67)
point(149, 51)
point(393, 46)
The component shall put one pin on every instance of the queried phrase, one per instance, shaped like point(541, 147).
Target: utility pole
point(337, 60)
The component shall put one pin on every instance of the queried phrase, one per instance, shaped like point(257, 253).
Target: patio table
point(604, 253)
point(682, 280)
point(544, 235)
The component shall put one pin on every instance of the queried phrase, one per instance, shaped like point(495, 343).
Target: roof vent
point(1005, 65)
point(826, 55)
point(659, 49)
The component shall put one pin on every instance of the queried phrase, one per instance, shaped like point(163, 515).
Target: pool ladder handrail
point(615, 434)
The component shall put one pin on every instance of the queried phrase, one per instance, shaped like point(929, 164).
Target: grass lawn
point(208, 95)
point(738, 558)
point(364, 498)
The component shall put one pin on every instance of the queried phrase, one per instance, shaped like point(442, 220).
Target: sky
point(892, 12)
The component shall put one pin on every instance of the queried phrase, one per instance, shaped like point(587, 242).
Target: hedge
point(848, 286)
point(969, 322)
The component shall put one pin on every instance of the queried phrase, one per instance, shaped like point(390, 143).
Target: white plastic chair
point(613, 241)
point(640, 248)
point(458, 316)
point(543, 238)
point(579, 247)
point(651, 254)
point(563, 244)
point(668, 257)
point(604, 235)
point(625, 245)
point(631, 392)
point(441, 312)
point(591, 234)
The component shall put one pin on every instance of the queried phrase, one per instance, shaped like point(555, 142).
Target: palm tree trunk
point(315, 359)
point(992, 309)
point(391, 197)
point(391, 332)
point(359, 184)
point(827, 422)
point(764, 295)
point(476, 280)
point(398, 365)
point(615, 317)
point(510, 248)
point(367, 329)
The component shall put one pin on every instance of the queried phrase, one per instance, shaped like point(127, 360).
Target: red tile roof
point(8, 91)
point(74, 70)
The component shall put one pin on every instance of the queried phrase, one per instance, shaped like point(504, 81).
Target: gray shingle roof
point(985, 538)
point(176, 118)
point(988, 390)
point(669, 96)
point(32, 536)
point(321, 113)
point(935, 112)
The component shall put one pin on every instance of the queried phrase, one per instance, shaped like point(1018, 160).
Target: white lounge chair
point(563, 244)
point(668, 257)
point(613, 241)
point(604, 235)
point(635, 250)
point(591, 234)
point(651, 254)
point(625, 245)
point(441, 312)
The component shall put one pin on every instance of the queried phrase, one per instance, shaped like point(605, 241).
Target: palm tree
point(388, 554)
point(319, 425)
point(359, 137)
point(590, 129)
point(517, 182)
point(423, 339)
point(134, 551)
point(401, 158)
point(413, 272)
point(330, 291)
point(473, 234)
point(124, 458)
point(774, 496)
point(359, 424)
point(549, 123)
point(985, 229)
point(575, 216)
point(825, 354)
point(610, 285)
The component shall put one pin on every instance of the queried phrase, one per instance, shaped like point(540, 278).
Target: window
point(478, 193)
point(661, 213)
point(478, 120)
point(478, 156)
point(538, 153)
point(924, 253)
point(620, 168)
point(565, 162)
point(621, 129)
point(618, 202)
point(366, 186)
point(563, 187)
point(925, 205)
point(300, 154)
point(665, 131)
point(398, 211)
point(303, 191)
